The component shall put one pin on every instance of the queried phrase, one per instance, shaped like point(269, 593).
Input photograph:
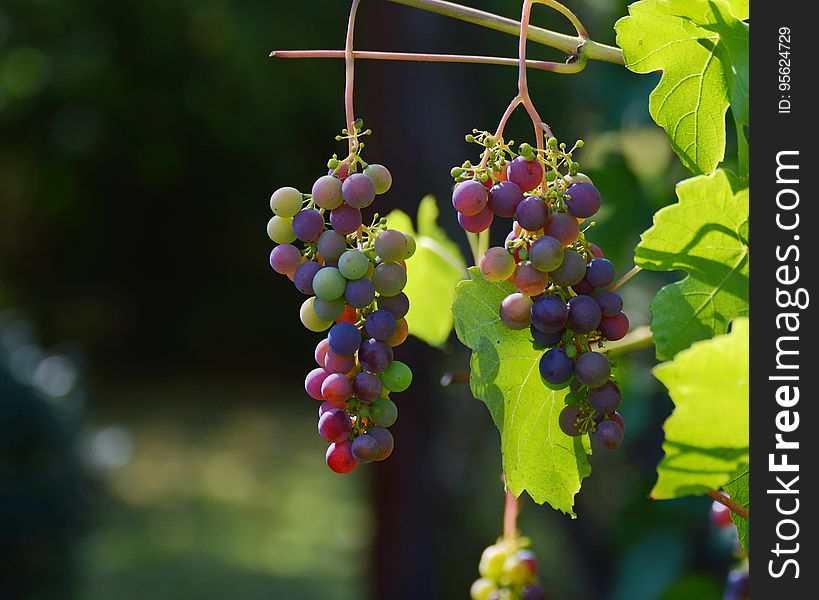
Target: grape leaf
point(701, 49)
point(434, 270)
point(739, 8)
point(537, 456)
point(706, 437)
point(739, 491)
point(706, 235)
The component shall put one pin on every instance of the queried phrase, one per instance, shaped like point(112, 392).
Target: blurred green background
point(155, 441)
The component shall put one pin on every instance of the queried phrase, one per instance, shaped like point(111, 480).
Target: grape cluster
point(508, 571)
point(560, 277)
point(353, 275)
point(737, 583)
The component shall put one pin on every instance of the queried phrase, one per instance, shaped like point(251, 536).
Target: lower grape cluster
point(354, 276)
point(508, 571)
point(560, 276)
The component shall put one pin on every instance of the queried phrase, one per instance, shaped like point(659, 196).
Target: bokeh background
point(155, 440)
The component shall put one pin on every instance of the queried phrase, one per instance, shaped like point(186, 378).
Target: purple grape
point(592, 369)
point(314, 381)
point(545, 340)
point(611, 303)
point(529, 280)
point(516, 311)
point(345, 219)
point(614, 328)
point(344, 338)
point(385, 441)
point(365, 448)
point(340, 457)
point(600, 272)
point(308, 225)
point(285, 259)
point(389, 278)
point(303, 277)
point(572, 271)
point(504, 198)
point(549, 314)
point(337, 388)
point(324, 407)
point(584, 288)
point(331, 245)
point(608, 435)
point(335, 425)
point(533, 592)
point(367, 387)
point(606, 398)
point(584, 314)
point(339, 363)
point(584, 201)
point(567, 419)
point(737, 585)
point(546, 254)
point(375, 356)
point(476, 223)
point(532, 213)
point(380, 325)
point(398, 305)
point(497, 264)
point(391, 245)
point(526, 174)
point(563, 227)
point(469, 197)
point(556, 367)
point(358, 190)
point(359, 293)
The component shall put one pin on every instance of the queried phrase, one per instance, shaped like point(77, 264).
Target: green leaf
point(434, 270)
point(739, 8)
point(739, 491)
point(706, 437)
point(537, 456)
point(701, 46)
point(706, 235)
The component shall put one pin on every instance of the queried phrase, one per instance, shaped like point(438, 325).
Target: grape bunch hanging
point(560, 276)
point(353, 275)
point(508, 571)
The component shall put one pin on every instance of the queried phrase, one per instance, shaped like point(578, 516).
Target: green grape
point(329, 310)
point(384, 412)
point(280, 230)
point(397, 377)
point(286, 202)
point(389, 278)
point(329, 284)
point(492, 561)
point(380, 176)
point(516, 571)
point(482, 589)
point(310, 319)
point(353, 264)
point(411, 246)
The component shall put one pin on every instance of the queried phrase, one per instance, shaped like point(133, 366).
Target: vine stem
point(625, 278)
point(636, 339)
point(733, 506)
point(510, 516)
point(541, 65)
point(566, 43)
point(349, 78)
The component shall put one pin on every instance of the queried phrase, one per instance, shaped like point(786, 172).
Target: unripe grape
point(526, 174)
point(563, 227)
point(529, 280)
point(304, 275)
point(337, 388)
point(327, 192)
point(571, 271)
point(411, 246)
point(397, 377)
point(595, 250)
point(321, 351)
point(492, 561)
point(339, 363)
point(400, 335)
point(286, 202)
point(310, 319)
point(331, 245)
point(285, 259)
point(469, 197)
point(497, 264)
point(358, 190)
point(313, 382)
point(329, 284)
point(516, 571)
point(328, 310)
point(476, 223)
point(353, 264)
point(340, 457)
point(280, 230)
point(391, 245)
point(546, 254)
point(482, 589)
point(516, 311)
point(380, 176)
point(384, 412)
point(389, 278)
